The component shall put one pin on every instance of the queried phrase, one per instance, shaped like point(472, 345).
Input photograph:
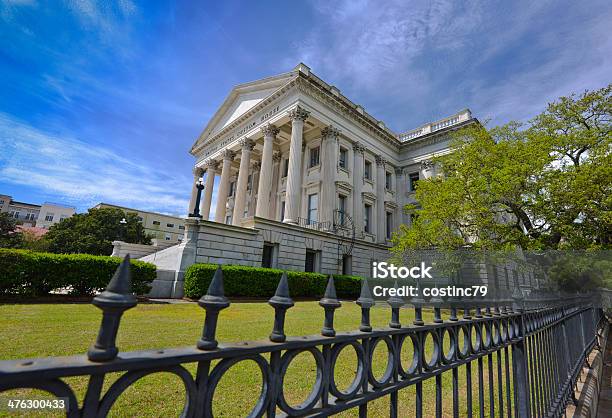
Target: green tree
point(547, 185)
point(94, 232)
point(9, 236)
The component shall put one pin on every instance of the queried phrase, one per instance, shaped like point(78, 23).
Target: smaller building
point(33, 215)
point(160, 226)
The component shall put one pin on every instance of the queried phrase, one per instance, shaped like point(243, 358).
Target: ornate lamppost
point(196, 209)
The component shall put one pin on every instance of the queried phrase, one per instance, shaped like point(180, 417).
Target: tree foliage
point(9, 236)
point(94, 232)
point(544, 185)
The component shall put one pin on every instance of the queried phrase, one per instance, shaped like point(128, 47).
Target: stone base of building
point(286, 248)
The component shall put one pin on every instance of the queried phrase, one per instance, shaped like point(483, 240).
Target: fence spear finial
point(366, 302)
point(396, 303)
point(116, 299)
point(330, 303)
point(281, 301)
point(213, 302)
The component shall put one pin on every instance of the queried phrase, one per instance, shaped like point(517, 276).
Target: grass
point(66, 329)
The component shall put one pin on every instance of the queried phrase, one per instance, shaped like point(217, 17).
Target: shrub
point(30, 273)
point(262, 282)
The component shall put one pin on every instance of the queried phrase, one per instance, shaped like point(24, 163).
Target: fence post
point(519, 367)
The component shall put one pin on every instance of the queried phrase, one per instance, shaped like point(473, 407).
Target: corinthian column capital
point(197, 171)
point(228, 154)
point(330, 132)
point(211, 164)
point(277, 157)
point(270, 130)
point(358, 147)
point(298, 113)
point(380, 160)
point(247, 144)
point(256, 165)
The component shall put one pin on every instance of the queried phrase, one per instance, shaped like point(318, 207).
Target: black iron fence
point(536, 346)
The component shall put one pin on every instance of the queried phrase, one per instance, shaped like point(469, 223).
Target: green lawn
point(65, 329)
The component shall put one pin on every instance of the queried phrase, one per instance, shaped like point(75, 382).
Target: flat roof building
point(160, 226)
point(31, 214)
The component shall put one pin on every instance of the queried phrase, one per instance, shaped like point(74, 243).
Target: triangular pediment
point(240, 100)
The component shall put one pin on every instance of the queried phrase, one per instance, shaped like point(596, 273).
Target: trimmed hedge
point(262, 282)
point(30, 273)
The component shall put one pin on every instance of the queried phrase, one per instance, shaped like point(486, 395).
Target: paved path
point(605, 395)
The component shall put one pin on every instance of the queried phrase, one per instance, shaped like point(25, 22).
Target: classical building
point(33, 215)
point(308, 180)
point(159, 226)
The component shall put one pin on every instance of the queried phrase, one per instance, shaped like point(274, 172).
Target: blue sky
point(101, 101)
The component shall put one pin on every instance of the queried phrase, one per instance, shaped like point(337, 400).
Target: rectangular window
point(170, 225)
point(168, 237)
point(367, 212)
point(388, 180)
point(1, 202)
point(342, 158)
point(285, 167)
point(314, 157)
point(156, 223)
point(28, 215)
point(181, 227)
point(367, 170)
point(389, 225)
point(231, 188)
point(17, 215)
point(48, 217)
point(313, 204)
point(61, 218)
point(249, 179)
point(140, 218)
point(268, 255)
point(228, 219)
point(310, 264)
point(341, 208)
point(347, 264)
point(282, 211)
point(413, 178)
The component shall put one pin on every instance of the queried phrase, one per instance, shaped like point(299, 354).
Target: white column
point(400, 196)
point(254, 186)
point(294, 177)
point(211, 172)
point(265, 176)
point(243, 178)
point(329, 161)
point(380, 200)
point(275, 180)
point(358, 188)
point(222, 196)
point(197, 173)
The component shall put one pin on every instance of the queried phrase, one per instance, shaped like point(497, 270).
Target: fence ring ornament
point(223, 366)
point(486, 334)
point(463, 350)
point(475, 343)
point(129, 378)
point(435, 355)
point(496, 333)
point(315, 393)
point(355, 385)
point(447, 357)
point(388, 374)
point(55, 387)
point(415, 355)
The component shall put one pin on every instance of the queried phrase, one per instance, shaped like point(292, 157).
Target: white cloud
point(85, 174)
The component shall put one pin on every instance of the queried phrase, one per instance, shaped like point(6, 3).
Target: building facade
point(295, 160)
point(161, 227)
point(33, 215)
